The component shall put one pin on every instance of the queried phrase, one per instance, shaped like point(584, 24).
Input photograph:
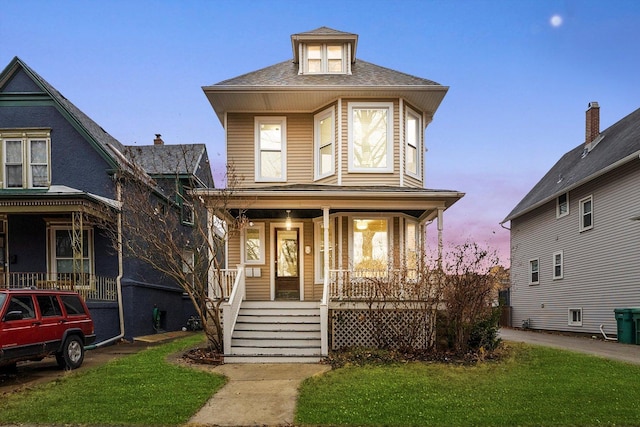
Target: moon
point(556, 21)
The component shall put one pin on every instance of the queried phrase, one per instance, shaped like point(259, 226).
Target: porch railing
point(222, 283)
point(90, 286)
point(231, 308)
point(363, 284)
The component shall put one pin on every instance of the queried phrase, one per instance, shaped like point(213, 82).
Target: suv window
point(49, 306)
point(73, 305)
point(3, 297)
point(23, 304)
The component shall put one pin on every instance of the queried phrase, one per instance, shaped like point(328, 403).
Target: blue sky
point(519, 85)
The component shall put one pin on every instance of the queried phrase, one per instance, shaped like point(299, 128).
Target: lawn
point(534, 386)
point(138, 389)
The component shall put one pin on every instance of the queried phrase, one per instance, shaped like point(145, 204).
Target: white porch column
point(440, 227)
point(324, 305)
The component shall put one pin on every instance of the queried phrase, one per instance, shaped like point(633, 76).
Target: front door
point(287, 267)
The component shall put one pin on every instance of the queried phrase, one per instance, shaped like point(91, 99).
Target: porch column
point(76, 244)
point(324, 304)
point(440, 227)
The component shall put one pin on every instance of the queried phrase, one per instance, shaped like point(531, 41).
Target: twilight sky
point(521, 74)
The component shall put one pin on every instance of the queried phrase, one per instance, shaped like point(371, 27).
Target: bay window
point(324, 137)
point(370, 137)
point(412, 138)
point(370, 244)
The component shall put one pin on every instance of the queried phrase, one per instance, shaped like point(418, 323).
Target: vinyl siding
point(601, 268)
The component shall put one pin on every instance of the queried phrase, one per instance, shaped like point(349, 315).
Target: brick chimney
point(593, 122)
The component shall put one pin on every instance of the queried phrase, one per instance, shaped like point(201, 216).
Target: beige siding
point(311, 292)
point(241, 147)
point(601, 268)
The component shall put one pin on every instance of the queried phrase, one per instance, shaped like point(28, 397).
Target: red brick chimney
point(159, 141)
point(593, 122)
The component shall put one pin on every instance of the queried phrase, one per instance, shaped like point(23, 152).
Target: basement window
point(575, 317)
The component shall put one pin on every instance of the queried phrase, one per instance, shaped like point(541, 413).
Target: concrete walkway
point(595, 346)
point(256, 394)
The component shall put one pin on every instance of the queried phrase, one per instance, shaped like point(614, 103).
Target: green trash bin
point(626, 330)
point(635, 313)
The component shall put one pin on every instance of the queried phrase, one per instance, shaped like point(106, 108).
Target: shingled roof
point(365, 74)
point(283, 88)
point(93, 130)
point(617, 145)
point(174, 159)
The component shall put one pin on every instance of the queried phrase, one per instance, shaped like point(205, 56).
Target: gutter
point(118, 279)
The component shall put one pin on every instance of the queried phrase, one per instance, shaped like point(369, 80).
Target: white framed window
point(61, 249)
point(370, 137)
point(562, 205)
point(26, 159)
point(575, 317)
point(534, 271)
point(412, 137)
point(370, 245)
point(254, 244)
point(325, 59)
point(586, 213)
point(270, 149)
point(324, 142)
point(558, 265)
point(319, 249)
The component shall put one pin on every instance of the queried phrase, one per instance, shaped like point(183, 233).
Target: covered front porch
point(323, 245)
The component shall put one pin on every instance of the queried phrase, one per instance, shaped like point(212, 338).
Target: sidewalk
point(256, 394)
point(608, 349)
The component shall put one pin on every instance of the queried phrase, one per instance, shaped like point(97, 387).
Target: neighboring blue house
point(59, 182)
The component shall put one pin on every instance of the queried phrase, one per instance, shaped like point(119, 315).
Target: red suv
point(38, 323)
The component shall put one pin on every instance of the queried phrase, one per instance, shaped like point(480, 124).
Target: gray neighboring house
point(575, 237)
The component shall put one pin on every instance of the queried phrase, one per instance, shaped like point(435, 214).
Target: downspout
point(118, 278)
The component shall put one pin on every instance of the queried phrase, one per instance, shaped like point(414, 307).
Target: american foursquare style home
point(328, 149)
point(60, 190)
point(575, 236)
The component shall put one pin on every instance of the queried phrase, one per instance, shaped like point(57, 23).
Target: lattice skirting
point(378, 328)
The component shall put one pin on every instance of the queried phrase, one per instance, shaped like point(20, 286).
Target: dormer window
point(324, 59)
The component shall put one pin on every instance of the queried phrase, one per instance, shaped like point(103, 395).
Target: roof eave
point(615, 165)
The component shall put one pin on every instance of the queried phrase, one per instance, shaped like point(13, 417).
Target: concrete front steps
point(276, 332)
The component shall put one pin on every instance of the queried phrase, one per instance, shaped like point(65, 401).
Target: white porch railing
point(90, 286)
point(222, 283)
point(231, 308)
point(359, 284)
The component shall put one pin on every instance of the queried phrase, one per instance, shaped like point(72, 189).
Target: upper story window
point(25, 159)
point(412, 138)
point(324, 137)
point(370, 137)
point(324, 59)
point(270, 149)
point(562, 205)
point(586, 213)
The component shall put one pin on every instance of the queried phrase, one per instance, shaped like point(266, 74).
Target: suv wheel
point(72, 353)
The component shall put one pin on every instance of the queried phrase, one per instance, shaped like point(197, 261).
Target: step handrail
point(231, 308)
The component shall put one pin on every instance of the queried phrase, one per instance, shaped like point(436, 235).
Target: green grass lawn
point(535, 386)
point(138, 389)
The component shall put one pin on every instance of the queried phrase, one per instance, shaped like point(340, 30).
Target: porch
point(277, 331)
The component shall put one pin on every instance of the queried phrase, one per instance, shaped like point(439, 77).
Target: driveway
point(595, 346)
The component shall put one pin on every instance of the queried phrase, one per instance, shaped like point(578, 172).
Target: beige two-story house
point(329, 152)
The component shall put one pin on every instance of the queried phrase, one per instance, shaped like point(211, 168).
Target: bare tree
point(172, 233)
point(468, 291)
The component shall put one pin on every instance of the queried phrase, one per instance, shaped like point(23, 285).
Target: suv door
point(52, 324)
point(20, 336)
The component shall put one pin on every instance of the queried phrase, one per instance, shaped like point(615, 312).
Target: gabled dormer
point(324, 51)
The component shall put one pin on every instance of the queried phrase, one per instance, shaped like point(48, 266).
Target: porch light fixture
point(288, 221)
